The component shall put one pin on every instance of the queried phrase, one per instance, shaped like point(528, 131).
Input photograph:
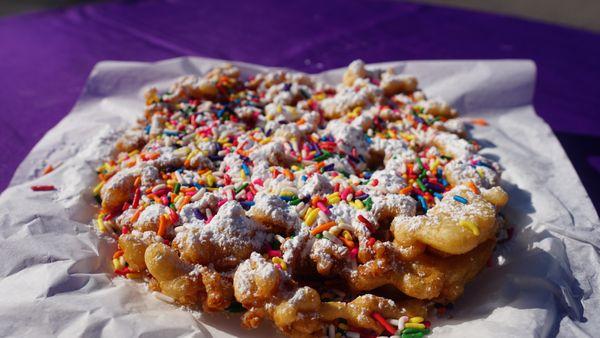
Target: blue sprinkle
point(460, 199)
point(423, 202)
point(147, 129)
point(247, 204)
point(304, 178)
point(286, 198)
point(362, 197)
point(180, 170)
point(328, 167)
point(220, 113)
point(362, 158)
point(197, 185)
point(440, 172)
point(171, 132)
point(215, 157)
point(444, 182)
point(198, 214)
point(246, 169)
point(367, 174)
point(368, 139)
point(438, 195)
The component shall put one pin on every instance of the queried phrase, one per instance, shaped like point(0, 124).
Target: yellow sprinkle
point(311, 216)
point(133, 152)
point(279, 108)
point(242, 174)
point(278, 260)
point(133, 275)
point(347, 235)
point(334, 198)
point(295, 168)
point(470, 225)
point(416, 320)
point(435, 165)
point(116, 264)
point(359, 204)
point(98, 188)
point(414, 326)
point(286, 193)
point(101, 226)
point(210, 180)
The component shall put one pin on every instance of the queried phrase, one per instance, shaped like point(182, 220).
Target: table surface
point(46, 57)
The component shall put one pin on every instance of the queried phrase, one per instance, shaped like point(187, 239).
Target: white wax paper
point(55, 275)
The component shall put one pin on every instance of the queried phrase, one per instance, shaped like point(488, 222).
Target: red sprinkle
point(371, 241)
point(174, 216)
point(389, 328)
point(43, 187)
point(366, 222)
point(136, 198)
point(274, 253)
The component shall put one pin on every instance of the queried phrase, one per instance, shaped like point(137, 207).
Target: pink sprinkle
point(221, 202)
point(164, 200)
point(323, 207)
point(249, 196)
point(209, 219)
point(354, 252)
point(274, 253)
point(344, 194)
point(375, 182)
point(190, 193)
point(258, 181)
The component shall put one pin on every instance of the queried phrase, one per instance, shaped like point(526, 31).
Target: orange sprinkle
point(473, 187)
point(186, 163)
point(185, 201)
point(322, 227)
point(136, 215)
point(48, 169)
point(202, 171)
point(406, 191)
point(288, 174)
point(347, 242)
point(162, 226)
point(479, 122)
point(138, 181)
point(118, 254)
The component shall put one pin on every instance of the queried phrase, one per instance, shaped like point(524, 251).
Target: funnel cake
point(343, 211)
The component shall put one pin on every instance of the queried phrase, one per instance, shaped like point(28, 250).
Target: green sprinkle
point(242, 187)
point(420, 164)
point(323, 156)
point(319, 236)
point(295, 201)
point(412, 335)
point(176, 189)
point(421, 185)
point(172, 206)
point(368, 203)
point(414, 330)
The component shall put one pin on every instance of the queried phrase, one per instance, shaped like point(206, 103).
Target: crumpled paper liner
point(55, 275)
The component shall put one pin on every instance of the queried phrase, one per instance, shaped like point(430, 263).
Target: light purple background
point(45, 58)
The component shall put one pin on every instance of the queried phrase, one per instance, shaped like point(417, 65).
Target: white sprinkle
point(158, 187)
point(197, 196)
point(163, 297)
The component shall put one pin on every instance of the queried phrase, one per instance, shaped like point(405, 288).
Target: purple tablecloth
point(45, 58)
